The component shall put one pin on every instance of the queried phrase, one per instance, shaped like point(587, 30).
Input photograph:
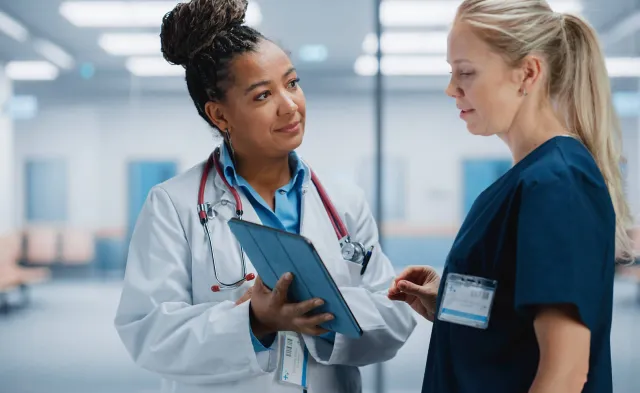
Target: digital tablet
point(274, 252)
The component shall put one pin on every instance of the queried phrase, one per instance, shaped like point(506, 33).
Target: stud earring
point(524, 92)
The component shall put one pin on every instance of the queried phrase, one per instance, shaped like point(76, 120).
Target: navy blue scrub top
point(546, 232)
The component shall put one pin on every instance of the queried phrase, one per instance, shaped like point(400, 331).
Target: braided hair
point(204, 36)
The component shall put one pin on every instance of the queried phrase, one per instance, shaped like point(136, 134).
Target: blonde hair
point(577, 81)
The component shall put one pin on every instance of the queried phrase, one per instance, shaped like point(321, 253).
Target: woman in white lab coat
point(210, 327)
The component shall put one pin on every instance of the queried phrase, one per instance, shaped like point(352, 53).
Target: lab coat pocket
point(339, 272)
point(355, 278)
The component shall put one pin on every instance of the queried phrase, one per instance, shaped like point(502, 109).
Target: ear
point(531, 73)
point(215, 112)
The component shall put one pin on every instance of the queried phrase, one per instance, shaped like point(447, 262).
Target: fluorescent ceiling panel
point(628, 67)
point(399, 13)
point(403, 65)
point(53, 53)
point(31, 70)
point(433, 42)
point(436, 65)
point(13, 28)
point(130, 44)
point(153, 67)
point(130, 13)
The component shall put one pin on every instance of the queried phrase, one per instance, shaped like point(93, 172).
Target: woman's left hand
point(418, 287)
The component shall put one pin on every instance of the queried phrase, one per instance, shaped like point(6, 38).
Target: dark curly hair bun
point(193, 26)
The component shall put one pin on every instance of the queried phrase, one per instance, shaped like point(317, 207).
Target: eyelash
point(294, 81)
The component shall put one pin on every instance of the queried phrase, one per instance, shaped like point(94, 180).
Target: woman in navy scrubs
point(525, 300)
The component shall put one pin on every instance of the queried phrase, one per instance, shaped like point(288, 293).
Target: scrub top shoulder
point(545, 231)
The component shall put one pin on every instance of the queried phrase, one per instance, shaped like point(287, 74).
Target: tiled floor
point(65, 343)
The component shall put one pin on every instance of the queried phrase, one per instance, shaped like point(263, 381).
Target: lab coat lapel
point(249, 213)
point(316, 226)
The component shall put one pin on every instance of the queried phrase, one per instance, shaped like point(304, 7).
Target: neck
point(530, 129)
point(264, 174)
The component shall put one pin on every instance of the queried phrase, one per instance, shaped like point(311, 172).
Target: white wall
point(7, 205)
point(99, 139)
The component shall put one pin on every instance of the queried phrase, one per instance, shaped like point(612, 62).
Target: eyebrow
point(265, 83)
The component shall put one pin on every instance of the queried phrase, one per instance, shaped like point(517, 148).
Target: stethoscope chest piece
point(218, 210)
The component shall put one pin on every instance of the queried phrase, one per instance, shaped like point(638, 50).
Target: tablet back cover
point(274, 252)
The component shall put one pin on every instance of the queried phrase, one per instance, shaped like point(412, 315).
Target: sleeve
point(159, 325)
point(261, 346)
point(386, 324)
point(565, 236)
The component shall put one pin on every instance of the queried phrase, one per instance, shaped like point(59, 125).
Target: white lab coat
point(199, 341)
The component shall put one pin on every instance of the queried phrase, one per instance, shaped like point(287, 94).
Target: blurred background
point(91, 117)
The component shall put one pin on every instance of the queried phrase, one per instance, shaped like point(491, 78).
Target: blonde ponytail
point(578, 82)
point(584, 95)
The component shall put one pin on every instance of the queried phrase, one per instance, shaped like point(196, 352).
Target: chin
point(295, 140)
point(475, 129)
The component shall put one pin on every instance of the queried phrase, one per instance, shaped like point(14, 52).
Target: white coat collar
point(249, 213)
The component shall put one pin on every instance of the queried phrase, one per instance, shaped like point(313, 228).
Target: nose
point(453, 91)
point(288, 106)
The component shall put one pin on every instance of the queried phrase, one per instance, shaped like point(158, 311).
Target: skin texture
point(491, 93)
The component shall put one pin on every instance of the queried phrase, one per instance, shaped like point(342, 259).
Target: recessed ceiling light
point(13, 28)
point(130, 13)
point(394, 13)
point(402, 65)
point(623, 66)
point(31, 70)
point(366, 65)
point(53, 53)
point(153, 67)
point(432, 42)
point(130, 44)
point(436, 65)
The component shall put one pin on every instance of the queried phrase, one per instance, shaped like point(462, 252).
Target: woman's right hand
point(270, 312)
point(418, 287)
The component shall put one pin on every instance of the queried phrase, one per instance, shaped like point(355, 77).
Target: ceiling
point(338, 25)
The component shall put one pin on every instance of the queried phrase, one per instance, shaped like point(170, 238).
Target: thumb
point(411, 288)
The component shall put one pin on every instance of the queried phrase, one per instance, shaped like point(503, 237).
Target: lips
point(466, 112)
point(289, 127)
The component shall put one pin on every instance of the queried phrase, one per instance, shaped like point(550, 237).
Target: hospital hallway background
point(92, 117)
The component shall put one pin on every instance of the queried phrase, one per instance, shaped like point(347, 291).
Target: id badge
point(294, 359)
point(467, 300)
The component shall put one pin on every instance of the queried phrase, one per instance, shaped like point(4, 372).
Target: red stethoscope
point(351, 251)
